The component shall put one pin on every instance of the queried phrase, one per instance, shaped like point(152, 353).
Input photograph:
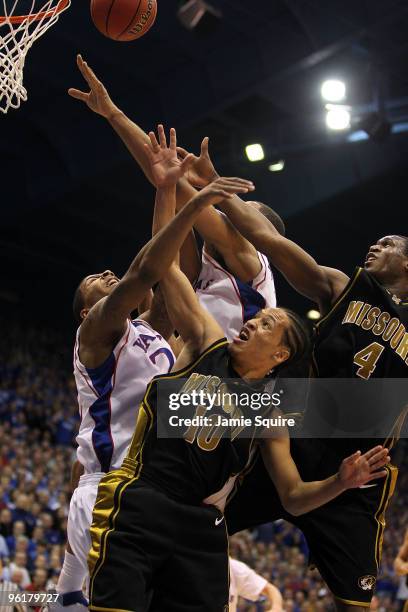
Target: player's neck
point(399, 288)
point(249, 372)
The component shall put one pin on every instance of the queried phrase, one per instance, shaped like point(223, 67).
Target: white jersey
point(109, 395)
point(244, 582)
point(230, 301)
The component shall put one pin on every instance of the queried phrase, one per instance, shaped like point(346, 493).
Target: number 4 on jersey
point(367, 359)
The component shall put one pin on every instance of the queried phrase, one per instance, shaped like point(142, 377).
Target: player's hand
point(359, 469)
point(97, 99)
point(220, 189)
point(202, 171)
point(166, 166)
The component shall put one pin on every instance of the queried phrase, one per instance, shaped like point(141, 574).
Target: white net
point(19, 29)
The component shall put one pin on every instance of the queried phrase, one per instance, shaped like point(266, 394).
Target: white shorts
point(80, 516)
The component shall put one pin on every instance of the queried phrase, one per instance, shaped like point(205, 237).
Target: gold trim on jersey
point(313, 366)
point(395, 432)
point(136, 446)
point(341, 297)
point(350, 602)
point(113, 485)
point(388, 491)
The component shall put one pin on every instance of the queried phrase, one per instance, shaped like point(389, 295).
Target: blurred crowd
point(38, 424)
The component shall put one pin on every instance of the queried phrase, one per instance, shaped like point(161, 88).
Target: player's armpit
point(337, 281)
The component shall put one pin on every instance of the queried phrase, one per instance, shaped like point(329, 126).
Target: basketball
point(123, 20)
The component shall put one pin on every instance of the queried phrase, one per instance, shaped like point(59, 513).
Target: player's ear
point(84, 313)
point(281, 354)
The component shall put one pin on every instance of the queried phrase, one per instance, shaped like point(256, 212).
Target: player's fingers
point(352, 457)
point(204, 146)
point(78, 95)
point(236, 179)
point(370, 453)
point(187, 161)
point(86, 72)
point(173, 139)
point(377, 456)
point(377, 475)
point(91, 75)
point(182, 153)
point(162, 136)
point(153, 140)
point(380, 463)
point(232, 189)
point(225, 194)
point(82, 69)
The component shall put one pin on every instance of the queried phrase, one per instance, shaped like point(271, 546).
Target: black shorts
point(344, 536)
point(150, 552)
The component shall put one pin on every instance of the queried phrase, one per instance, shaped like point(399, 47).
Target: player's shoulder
point(238, 567)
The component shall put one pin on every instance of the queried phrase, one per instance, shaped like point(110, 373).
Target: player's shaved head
point(271, 215)
point(404, 240)
point(90, 290)
point(78, 303)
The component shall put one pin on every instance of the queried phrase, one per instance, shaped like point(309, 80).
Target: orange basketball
point(123, 19)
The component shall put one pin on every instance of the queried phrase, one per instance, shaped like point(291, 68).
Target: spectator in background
point(19, 530)
point(38, 585)
point(6, 587)
point(20, 565)
point(6, 523)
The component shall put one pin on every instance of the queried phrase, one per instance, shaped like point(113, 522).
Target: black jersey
point(194, 467)
point(365, 334)
point(364, 337)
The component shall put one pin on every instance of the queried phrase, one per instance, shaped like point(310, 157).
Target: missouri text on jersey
point(381, 324)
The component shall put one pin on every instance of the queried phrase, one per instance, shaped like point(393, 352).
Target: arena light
point(313, 315)
point(357, 136)
point(277, 166)
point(333, 90)
point(337, 117)
point(255, 152)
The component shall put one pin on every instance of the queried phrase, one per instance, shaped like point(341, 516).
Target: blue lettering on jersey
point(144, 341)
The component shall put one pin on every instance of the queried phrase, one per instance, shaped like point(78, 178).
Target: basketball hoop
point(17, 34)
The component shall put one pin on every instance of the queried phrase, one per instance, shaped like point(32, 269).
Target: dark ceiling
point(73, 201)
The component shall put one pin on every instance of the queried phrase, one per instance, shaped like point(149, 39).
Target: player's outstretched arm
point(98, 100)
point(106, 320)
point(239, 255)
point(299, 497)
point(195, 325)
point(274, 598)
point(318, 283)
point(218, 232)
point(401, 560)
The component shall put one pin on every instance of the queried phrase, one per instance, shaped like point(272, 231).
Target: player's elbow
point(292, 503)
point(146, 274)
